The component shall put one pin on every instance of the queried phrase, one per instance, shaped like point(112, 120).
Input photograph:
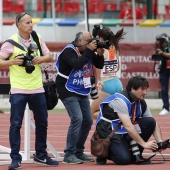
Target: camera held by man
point(162, 145)
point(162, 42)
point(100, 44)
point(29, 66)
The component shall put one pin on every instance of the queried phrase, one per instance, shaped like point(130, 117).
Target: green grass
point(63, 111)
point(155, 111)
point(49, 111)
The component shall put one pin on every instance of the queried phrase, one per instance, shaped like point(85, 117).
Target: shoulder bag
point(100, 147)
point(50, 92)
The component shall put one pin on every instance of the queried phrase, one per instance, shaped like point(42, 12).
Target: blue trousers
point(37, 103)
point(120, 151)
point(79, 111)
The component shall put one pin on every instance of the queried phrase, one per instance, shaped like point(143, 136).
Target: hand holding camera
point(92, 45)
point(162, 145)
point(161, 43)
point(28, 63)
point(159, 52)
point(100, 51)
point(18, 60)
point(37, 60)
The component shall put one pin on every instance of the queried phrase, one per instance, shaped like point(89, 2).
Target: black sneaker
point(85, 158)
point(72, 160)
point(100, 161)
point(15, 164)
point(47, 161)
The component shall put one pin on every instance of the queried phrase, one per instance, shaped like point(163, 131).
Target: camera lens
point(135, 150)
point(94, 93)
point(29, 69)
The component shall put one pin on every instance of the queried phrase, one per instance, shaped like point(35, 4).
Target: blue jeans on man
point(37, 102)
point(78, 108)
point(120, 151)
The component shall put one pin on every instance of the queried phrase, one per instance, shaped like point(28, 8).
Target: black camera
point(160, 40)
point(29, 67)
point(157, 57)
point(93, 93)
point(100, 44)
point(162, 145)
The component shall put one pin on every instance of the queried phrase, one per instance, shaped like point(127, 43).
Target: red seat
point(7, 6)
point(71, 7)
point(109, 6)
point(39, 6)
point(19, 6)
point(95, 6)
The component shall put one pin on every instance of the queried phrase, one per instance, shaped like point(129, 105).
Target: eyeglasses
point(88, 41)
point(19, 16)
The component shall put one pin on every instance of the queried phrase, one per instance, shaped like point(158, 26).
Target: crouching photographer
point(162, 54)
point(129, 108)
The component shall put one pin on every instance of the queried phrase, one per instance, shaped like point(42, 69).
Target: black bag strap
point(15, 43)
point(46, 75)
point(115, 129)
point(36, 39)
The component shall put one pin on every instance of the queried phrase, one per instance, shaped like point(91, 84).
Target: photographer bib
point(86, 80)
point(86, 76)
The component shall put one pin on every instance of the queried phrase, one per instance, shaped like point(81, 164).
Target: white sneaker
point(164, 112)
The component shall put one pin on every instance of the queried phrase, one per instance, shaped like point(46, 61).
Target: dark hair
point(137, 82)
point(19, 16)
point(114, 39)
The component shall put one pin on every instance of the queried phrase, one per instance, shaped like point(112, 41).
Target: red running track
point(57, 130)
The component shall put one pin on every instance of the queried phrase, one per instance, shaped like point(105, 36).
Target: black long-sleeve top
point(70, 60)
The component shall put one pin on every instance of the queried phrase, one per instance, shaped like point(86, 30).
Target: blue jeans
point(79, 111)
point(37, 103)
point(120, 151)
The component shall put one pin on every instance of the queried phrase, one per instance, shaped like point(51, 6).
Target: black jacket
point(70, 60)
point(104, 128)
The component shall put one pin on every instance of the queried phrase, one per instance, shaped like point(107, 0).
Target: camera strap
point(15, 44)
point(36, 39)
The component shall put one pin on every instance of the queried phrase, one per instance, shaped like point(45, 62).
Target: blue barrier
point(48, 22)
point(166, 23)
point(69, 22)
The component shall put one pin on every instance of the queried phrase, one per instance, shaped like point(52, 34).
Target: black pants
point(164, 80)
point(120, 151)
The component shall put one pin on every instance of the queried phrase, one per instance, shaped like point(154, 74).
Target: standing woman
point(108, 81)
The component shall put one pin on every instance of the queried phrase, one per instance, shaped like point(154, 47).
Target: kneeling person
point(129, 108)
